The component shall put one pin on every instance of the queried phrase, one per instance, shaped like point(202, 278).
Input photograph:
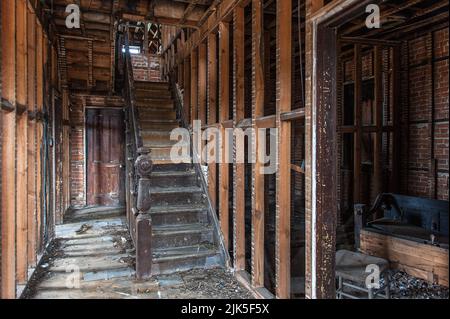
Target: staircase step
point(151, 85)
point(168, 161)
point(157, 136)
point(154, 114)
point(172, 167)
point(152, 93)
point(155, 103)
point(176, 195)
point(162, 125)
point(179, 214)
point(174, 178)
point(166, 261)
point(171, 236)
point(160, 154)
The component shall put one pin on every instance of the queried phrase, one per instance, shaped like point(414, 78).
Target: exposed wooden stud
point(187, 90)
point(224, 110)
point(238, 114)
point(21, 144)
point(8, 207)
point(283, 175)
point(40, 130)
point(257, 175)
point(357, 77)
point(212, 111)
point(194, 85)
point(378, 104)
point(31, 99)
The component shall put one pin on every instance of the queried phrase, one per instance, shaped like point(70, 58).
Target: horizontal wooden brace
point(359, 40)
point(293, 115)
point(365, 129)
point(7, 106)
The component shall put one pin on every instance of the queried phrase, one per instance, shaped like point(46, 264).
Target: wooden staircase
point(183, 232)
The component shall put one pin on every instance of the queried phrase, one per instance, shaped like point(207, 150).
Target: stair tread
point(173, 173)
point(167, 209)
point(174, 190)
point(161, 121)
point(181, 228)
point(163, 254)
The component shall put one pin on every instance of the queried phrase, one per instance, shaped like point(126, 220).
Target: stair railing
point(179, 105)
point(138, 168)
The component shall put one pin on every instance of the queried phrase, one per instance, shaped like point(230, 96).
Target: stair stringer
point(212, 214)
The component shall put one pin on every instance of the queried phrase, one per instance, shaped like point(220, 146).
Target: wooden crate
point(419, 260)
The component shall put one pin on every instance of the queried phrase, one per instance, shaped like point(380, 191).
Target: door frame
point(86, 148)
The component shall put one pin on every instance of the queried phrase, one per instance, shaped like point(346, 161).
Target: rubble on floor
point(404, 286)
point(95, 259)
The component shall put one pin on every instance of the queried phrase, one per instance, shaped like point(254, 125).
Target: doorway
point(105, 157)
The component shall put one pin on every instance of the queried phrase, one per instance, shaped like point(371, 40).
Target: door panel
point(106, 157)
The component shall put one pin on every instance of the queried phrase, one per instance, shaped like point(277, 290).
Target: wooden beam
point(31, 98)
point(224, 115)
point(8, 207)
point(202, 87)
point(324, 238)
point(21, 144)
point(283, 175)
point(212, 111)
point(187, 90)
point(40, 130)
point(258, 90)
point(378, 104)
point(194, 85)
point(238, 114)
point(357, 77)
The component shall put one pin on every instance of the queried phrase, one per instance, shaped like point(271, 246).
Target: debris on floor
point(404, 286)
point(95, 259)
point(84, 228)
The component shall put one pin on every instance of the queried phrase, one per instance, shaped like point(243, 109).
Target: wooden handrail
point(139, 168)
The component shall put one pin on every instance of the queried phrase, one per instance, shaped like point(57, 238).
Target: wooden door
point(105, 157)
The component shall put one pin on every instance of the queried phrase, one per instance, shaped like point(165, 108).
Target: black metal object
point(414, 218)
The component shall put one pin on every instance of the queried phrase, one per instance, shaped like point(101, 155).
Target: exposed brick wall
point(146, 67)
point(77, 142)
point(427, 133)
point(77, 152)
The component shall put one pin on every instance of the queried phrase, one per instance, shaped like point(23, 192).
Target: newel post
point(143, 167)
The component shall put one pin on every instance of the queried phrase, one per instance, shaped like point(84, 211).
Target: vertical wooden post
point(396, 109)
point(21, 143)
point(283, 177)
point(378, 142)
point(145, 44)
point(194, 85)
point(40, 129)
point(238, 115)
point(257, 176)
point(212, 110)
point(187, 90)
point(202, 83)
point(202, 86)
point(224, 110)
point(324, 226)
point(8, 207)
point(31, 98)
point(357, 77)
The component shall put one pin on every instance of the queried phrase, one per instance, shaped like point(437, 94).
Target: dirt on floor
point(404, 286)
point(103, 252)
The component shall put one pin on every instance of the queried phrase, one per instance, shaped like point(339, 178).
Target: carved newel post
point(143, 166)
